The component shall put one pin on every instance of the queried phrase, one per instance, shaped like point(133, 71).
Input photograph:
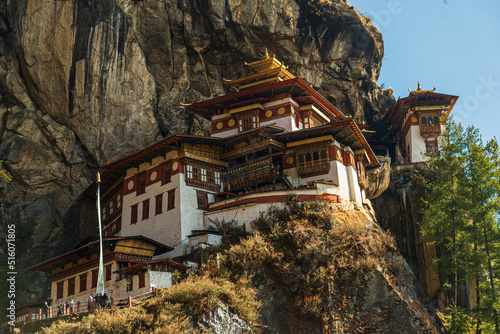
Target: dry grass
point(304, 253)
point(125, 321)
point(308, 261)
point(200, 294)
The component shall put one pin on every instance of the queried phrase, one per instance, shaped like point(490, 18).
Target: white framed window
point(203, 174)
point(189, 171)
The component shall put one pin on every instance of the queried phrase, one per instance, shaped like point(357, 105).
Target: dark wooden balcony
point(313, 167)
point(430, 130)
point(250, 174)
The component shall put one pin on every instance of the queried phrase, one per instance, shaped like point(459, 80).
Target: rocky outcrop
point(310, 280)
point(399, 210)
point(221, 321)
point(84, 83)
point(378, 179)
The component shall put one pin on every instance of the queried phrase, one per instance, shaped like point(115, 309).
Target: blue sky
point(453, 45)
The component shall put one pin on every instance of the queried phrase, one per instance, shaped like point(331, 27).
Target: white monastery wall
point(417, 144)
point(159, 279)
point(191, 217)
point(343, 180)
point(206, 238)
point(224, 134)
point(354, 188)
point(287, 123)
point(246, 213)
point(164, 227)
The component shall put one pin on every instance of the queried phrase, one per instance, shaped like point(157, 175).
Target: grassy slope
point(311, 263)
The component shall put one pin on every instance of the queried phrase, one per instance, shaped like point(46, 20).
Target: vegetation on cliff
point(307, 268)
point(462, 216)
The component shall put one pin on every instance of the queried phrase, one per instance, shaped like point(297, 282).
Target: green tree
point(443, 216)
point(481, 206)
point(461, 214)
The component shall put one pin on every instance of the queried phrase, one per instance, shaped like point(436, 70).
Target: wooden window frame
point(141, 184)
point(431, 146)
point(60, 290)
point(95, 274)
point(189, 171)
point(142, 280)
point(202, 199)
point(134, 214)
point(145, 209)
point(248, 122)
point(158, 204)
point(171, 199)
point(71, 286)
point(83, 282)
point(166, 174)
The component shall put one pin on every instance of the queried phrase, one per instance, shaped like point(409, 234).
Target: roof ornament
point(420, 90)
point(267, 55)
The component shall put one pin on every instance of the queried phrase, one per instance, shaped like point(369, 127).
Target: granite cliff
point(85, 82)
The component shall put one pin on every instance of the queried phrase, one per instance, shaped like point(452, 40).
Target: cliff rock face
point(84, 83)
point(398, 210)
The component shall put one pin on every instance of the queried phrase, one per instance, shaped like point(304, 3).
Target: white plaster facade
point(203, 239)
point(415, 144)
point(170, 227)
point(164, 227)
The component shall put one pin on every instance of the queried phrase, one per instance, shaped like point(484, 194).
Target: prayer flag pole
point(100, 273)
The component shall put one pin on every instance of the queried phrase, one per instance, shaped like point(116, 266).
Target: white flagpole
point(100, 273)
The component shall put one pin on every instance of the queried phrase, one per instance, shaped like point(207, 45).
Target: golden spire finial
point(267, 55)
point(420, 90)
point(98, 177)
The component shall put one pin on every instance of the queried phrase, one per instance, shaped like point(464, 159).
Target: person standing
point(91, 303)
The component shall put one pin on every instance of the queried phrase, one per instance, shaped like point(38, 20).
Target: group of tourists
point(98, 302)
point(66, 306)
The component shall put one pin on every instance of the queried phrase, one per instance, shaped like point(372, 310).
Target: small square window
point(141, 184)
point(145, 209)
point(60, 289)
point(71, 286)
point(202, 199)
point(142, 280)
point(133, 214)
point(159, 204)
point(171, 199)
point(83, 282)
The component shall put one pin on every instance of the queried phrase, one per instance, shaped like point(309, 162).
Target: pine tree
point(443, 217)
point(481, 207)
point(462, 214)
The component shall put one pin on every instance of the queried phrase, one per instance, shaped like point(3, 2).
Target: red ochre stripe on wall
point(329, 198)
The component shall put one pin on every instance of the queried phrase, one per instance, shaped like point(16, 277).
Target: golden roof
point(264, 71)
point(419, 90)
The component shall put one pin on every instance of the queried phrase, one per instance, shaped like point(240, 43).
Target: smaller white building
point(128, 270)
point(418, 121)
